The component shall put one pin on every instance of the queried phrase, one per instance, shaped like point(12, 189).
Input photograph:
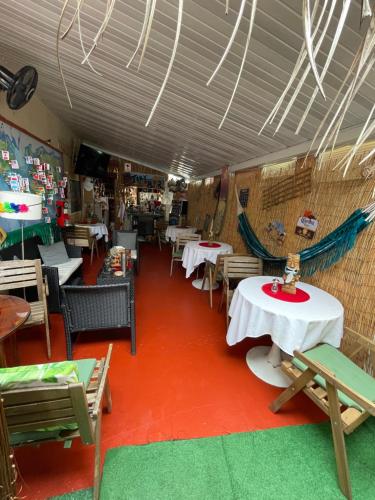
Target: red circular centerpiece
point(209, 244)
point(299, 296)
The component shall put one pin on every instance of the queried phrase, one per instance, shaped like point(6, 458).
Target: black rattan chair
point(146, 226)
point(98, 307)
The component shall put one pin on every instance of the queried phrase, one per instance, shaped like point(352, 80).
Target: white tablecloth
point(98, 229)
point(173, 231)
point(292, 325)
point(194, 254)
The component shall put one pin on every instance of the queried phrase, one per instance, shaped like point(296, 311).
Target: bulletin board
point(28, 164)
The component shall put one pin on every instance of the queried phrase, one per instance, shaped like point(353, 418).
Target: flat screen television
point(91, 162)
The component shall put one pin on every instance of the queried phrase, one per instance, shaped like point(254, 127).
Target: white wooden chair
point(237, 268)
point(178, 247)
point(81, 237)
point(15, 274)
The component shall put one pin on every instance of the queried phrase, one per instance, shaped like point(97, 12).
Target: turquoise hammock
point(318, 257)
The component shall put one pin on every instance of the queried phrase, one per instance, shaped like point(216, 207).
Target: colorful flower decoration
point(10, 208)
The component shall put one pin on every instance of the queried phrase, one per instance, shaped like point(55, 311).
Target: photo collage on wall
point(28, 165)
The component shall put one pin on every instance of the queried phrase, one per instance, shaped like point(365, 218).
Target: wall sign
point(307, 225)
point(244, 197)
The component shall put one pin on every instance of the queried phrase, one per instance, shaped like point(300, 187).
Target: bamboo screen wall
point(332, 199)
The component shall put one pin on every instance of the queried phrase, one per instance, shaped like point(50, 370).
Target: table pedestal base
point(260, 361)
point(198, 284)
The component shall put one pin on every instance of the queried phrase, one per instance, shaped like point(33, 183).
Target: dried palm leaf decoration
point(317, 20)
point(142, 41)
point(357, 74)
point(251, 24)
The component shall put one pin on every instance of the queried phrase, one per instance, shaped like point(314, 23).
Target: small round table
point(291, 325)
point(197, 252)
point(173, 232)
point(14, 311)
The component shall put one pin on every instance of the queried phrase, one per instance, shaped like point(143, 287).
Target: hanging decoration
point(307, 225)
point(276, 232)
point(218, 219)
point(357, 74)
point(142, 41)
point(229, 45)
point(11, 208)
point(320, 256)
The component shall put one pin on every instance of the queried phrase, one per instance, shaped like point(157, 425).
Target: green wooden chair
point(60, 405)
point(340, 388)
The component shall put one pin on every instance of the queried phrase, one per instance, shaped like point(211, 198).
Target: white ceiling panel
point(110, 111)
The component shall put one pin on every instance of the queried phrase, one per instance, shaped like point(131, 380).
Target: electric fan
point(19, 87)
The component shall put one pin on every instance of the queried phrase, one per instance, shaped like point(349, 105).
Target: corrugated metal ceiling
point(110, 111)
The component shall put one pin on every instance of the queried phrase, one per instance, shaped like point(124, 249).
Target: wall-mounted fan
point(19, 87)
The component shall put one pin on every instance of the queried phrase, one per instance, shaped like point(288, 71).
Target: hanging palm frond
point(307, 29)
point(231, 39)
point(311, 51)
point(171, 61)
point(251, 24)
point(101, 30)
point(78, 17)
point(336, 38)
point(63, 10)
point(299, 63)
point(149, 24)
point(143, 31)
point(366, 10)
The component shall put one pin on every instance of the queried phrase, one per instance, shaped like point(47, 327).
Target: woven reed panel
point(332, 199)
point(281, 188)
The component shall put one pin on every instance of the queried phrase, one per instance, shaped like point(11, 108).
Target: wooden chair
point(214, 272)
point(178, 247)
point(235, 269)
point(31, 409)
point(81, 237)
point(161, 227)
point(340, 388)
point(16, 274)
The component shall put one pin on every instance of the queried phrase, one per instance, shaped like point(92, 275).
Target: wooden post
point(7, 468)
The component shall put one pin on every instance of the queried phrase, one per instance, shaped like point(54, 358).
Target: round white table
point(172, 232)
point(291, 325)
point(196, 252)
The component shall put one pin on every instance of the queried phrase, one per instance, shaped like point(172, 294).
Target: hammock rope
point(327, 252)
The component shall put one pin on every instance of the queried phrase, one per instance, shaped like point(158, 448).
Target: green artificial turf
point(285, 463)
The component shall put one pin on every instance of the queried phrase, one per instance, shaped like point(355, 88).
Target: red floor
point(184, 382)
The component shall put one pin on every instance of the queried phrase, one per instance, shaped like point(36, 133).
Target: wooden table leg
point(3, 362)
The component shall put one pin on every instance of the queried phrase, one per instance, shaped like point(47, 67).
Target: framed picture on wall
point(244, 197)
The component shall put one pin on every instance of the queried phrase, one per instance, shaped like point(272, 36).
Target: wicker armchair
point(98, 307)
